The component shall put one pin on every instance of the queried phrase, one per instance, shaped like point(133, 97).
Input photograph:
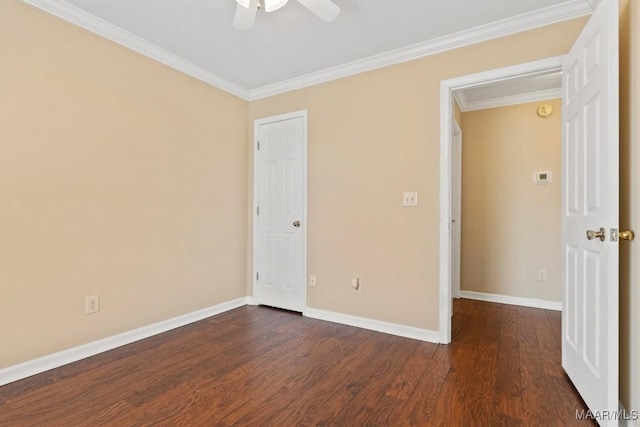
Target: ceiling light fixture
point(246, 10)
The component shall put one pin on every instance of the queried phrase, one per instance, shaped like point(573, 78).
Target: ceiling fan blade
point(245, 16)
point(323, 9)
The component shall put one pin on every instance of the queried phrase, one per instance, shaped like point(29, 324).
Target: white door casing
point(456, 208)
point(590, 201)
point(447, 87)
point(280, 222)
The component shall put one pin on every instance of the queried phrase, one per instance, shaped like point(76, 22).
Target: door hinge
point(258, 211)
point(258, 145)
point(257, 276)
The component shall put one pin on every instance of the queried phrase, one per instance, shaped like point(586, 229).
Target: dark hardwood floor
point(257, 366)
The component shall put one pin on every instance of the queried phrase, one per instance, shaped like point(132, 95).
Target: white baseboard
point(506, 299)
point(374, 325)
point(55, 360)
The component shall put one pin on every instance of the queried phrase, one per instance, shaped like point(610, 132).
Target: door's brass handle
point(596, 234)
point(626, 235)
point(296, 223)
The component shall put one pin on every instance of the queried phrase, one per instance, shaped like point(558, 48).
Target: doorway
point(447, 88)
point(512, 196)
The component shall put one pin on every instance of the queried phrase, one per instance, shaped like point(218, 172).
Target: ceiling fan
point(247, 9)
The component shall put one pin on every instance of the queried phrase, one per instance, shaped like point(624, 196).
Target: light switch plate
point(410, 198)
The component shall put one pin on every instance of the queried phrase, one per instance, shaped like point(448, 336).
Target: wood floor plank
point(243, 387)
point(239, 386)
point(35, 409)
point(568, 401)
point(417, 408)
point(211, 364)
point(144, 380)
point(508, 387)
point(406, 381)
point(261, 366)
point(539, 393)
point(399, 352)
point(554, 318)
point(309, 368)
point(308, 372)
point(550, 346)
point(286, 394)
point(320, 404)
point(119, 413)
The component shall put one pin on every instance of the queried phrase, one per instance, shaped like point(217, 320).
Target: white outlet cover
point(92, 304)
point(410, 198)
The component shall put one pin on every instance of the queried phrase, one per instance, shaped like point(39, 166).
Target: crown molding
point(528, 21)
point(546, 16)
point(94, 24)
point(504, 101)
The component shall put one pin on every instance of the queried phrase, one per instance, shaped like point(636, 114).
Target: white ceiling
point(291, 47)
point(512, 91)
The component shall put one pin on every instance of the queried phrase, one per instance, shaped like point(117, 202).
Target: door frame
point(447, 87)
point(255, 231)
point(457, 136)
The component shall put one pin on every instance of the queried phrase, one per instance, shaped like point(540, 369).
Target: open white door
point(590, 213)
point(280, 185)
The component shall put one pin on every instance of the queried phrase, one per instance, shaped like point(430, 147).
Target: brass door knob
point(626, 235)
point(596, 234)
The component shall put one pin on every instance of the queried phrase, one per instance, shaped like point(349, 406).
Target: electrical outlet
point(92, 304)
point(542, 275)
point(313, 281)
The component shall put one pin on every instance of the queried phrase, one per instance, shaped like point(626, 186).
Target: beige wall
point(371, 137)
point(511, 227)
point(630, 204)
point(118, 176)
